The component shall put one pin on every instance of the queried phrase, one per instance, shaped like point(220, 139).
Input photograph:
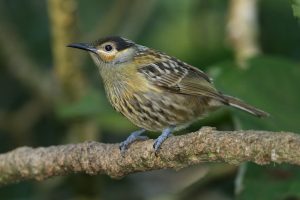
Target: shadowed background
point(53, 95)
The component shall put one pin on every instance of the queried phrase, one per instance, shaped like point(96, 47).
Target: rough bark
point(205, 145)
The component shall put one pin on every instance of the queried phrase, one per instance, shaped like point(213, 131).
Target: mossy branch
point(205, 145)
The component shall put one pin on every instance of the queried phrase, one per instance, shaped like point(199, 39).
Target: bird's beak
point(83, 46)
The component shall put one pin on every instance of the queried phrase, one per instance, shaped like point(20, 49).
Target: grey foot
point(165, 134)
point(136, 135)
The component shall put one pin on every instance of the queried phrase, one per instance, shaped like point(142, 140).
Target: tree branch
point(63, 21)
point(205, 145)
point(243, 30)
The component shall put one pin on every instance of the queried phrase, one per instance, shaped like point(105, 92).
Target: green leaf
point(271, 84)
point(88, 105)
point(296, 8)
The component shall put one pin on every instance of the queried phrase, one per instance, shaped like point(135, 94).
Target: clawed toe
point(122, 148)
point(156, 146)
point(135, 136)
point(158, 142)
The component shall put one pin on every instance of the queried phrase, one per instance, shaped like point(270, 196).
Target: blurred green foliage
point(296, 8)
point(195, 32)
point(272, 83)
point(277, 182)
point(266, 77)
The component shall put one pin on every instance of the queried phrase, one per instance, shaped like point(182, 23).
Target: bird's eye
point(108, 47)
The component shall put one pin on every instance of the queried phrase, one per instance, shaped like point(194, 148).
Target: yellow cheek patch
point(107, 58)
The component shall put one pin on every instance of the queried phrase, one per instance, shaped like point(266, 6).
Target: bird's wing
point(176, 76)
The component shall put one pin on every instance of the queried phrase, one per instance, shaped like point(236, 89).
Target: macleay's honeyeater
point(155, 91)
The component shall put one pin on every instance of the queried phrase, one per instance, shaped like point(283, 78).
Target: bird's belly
point(156, 111)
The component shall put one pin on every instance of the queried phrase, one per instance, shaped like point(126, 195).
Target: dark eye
point(108, 47)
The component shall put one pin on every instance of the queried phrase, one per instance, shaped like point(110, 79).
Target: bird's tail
point(234, 102)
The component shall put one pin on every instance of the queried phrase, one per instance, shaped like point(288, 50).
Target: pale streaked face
point(109, 53)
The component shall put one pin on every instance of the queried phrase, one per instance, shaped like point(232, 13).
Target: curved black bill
point(83, 46)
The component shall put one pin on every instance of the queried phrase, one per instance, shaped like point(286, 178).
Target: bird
point(155, 91)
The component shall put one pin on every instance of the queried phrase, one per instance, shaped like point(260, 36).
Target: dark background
point(52, 95)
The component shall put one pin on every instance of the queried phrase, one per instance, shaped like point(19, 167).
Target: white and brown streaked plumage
point(155, 91)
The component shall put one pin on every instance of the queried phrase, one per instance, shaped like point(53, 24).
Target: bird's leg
point(164, 135)
point(136, 135)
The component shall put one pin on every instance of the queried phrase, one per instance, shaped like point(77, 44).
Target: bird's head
point(109, 51)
